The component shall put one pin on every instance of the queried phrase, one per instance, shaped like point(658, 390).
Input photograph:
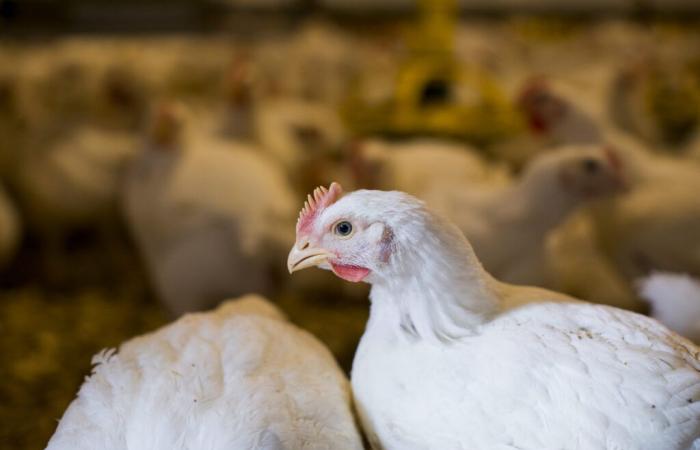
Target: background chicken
point(188, 200)
point(508, 226)
point(415, 166)
point(283, 96)
point(656, 210)
point(69, 184)
point(245, 346)
point(675, 302)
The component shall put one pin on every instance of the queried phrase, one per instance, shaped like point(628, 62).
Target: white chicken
point(580, 268)
point(71, 183)
point(318, 62)
point(508, 225)
point(300, 134)
point(238, 377)
point(651, 227)
point(452, 358)
point(561, 118)
point(10, 228)
point(304, 136)
point(675, 302)
point(654, 227)
point(555, 114)
point(415, 166)
point(208, 216)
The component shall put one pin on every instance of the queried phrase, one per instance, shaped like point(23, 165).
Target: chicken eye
point(343, 228)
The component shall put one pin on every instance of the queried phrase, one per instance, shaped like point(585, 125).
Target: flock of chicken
point(585, 199)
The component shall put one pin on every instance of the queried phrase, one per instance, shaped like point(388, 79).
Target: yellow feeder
point(435, 94)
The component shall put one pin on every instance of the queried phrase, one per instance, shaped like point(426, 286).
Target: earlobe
point(383, 236)
point(386, 245)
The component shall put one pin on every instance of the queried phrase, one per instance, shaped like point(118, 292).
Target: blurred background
point(154, 156)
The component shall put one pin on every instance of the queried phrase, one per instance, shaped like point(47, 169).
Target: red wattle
point(354, 274)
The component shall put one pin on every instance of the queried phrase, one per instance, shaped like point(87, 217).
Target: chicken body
point(416, 166)
point(238, 377)
point(75, 181)
point(452, 358)
point(208, 218)
point(675, 302)
point(650, 227)
point(508, 226)
point(304, 136)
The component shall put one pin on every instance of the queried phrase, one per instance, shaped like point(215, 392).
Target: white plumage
point(452, 358)
point(508, 225)
point(654, 227)
point(208, 216)
point(238, 377)
point(651, 227)
point(417, 165)
point(675, 302)
point(580, 267)
point(75, 180)
point(296, 132)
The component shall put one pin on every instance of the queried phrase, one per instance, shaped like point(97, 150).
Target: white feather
point(238, 377)
point(216, 206)
point(675, 302)
point(451, 358)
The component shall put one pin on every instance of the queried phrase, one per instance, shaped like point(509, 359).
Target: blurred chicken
point(555, 114)
point(318, 63)
point(563, 117)
point(63, 87)
point(207, 215)
point(305, 136)
point(675, 302)
point(654, 227)
point(238, 377)
point(69, 181)
point(415, 166)
point(659, 102)
point(508, 225)
point(640, 230)
point(579, 267)
point(122, 97)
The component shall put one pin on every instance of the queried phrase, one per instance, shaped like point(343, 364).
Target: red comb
point(317, 202)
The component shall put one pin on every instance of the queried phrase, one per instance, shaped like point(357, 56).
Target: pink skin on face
point(314, 205)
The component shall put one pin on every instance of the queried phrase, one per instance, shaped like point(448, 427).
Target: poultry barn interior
point(154, 157)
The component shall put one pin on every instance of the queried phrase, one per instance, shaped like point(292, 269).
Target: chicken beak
point(304, 255)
